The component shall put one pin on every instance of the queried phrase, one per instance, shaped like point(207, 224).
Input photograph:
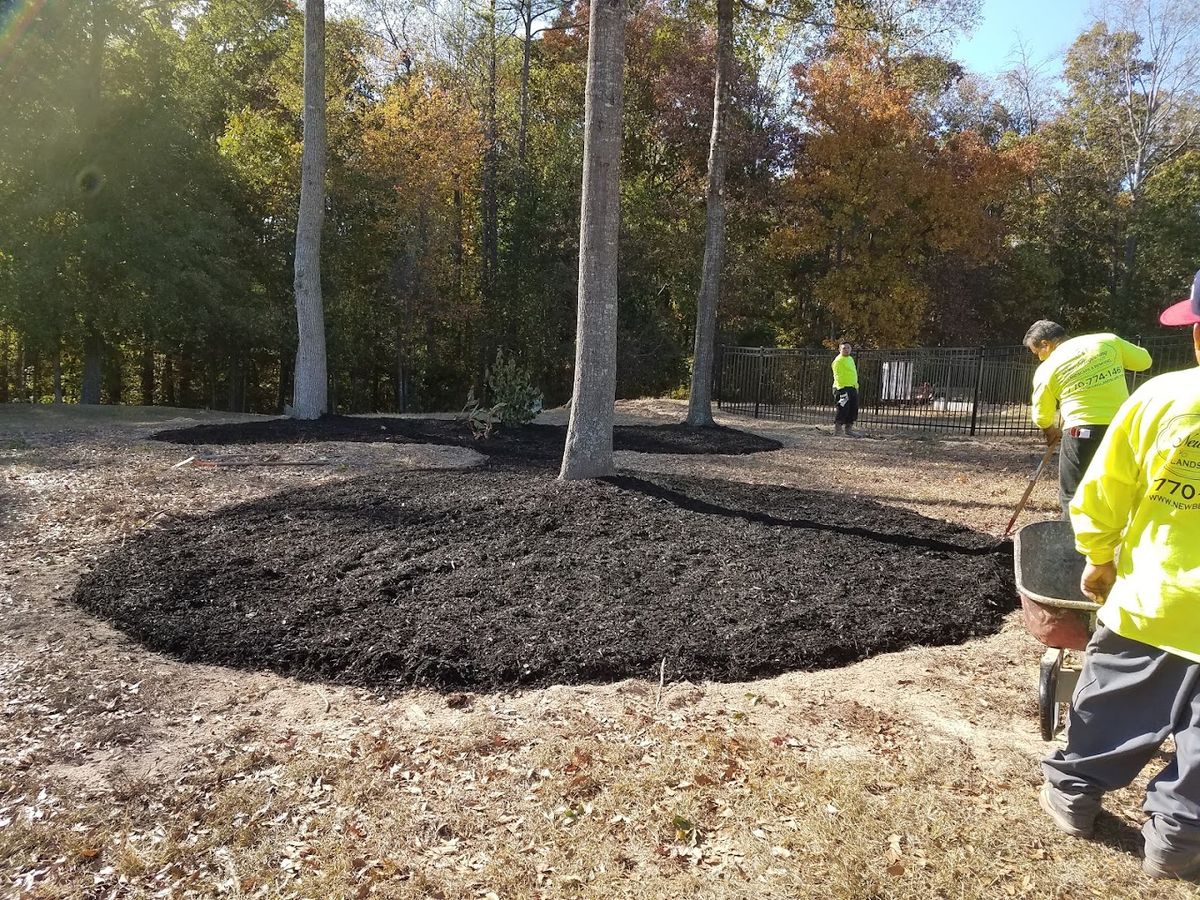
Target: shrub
point(511, 398)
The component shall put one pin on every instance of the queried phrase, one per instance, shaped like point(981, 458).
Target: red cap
point(1185, 312)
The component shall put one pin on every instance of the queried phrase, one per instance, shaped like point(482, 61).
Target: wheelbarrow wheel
point(1051, 709)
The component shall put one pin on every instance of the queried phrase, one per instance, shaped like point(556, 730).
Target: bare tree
point(1028, 89)
point(310, 398)
point(589, 452)
point(700, 395)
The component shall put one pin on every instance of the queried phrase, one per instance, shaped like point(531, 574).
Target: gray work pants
point(1131, 697)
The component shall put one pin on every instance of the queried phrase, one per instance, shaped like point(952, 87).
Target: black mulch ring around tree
point(485, 580)
point(538, 445)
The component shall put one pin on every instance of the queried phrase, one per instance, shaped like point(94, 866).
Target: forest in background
point(149, 180)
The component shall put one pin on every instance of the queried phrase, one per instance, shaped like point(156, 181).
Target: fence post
point(975, 400)
point(719, 373)
point(758, 381)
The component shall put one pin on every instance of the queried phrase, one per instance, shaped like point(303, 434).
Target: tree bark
point(490, 205)
point(237, 380)
point(93, 365)
point(147, 376)
point(311, 397)
point(168, 380)
point(588, 452)
point(700, 395)
point(526, 53)
point(58, 382)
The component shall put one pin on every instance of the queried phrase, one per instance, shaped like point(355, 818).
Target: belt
point(1081, 431)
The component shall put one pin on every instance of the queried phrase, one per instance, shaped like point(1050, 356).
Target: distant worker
point(1137, 521)
point(1084, 377)
point(845, 390)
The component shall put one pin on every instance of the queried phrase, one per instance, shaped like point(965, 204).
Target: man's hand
point(1097, 581)
point(1053, 435)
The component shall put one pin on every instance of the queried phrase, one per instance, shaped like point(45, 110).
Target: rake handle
point(1029, 489)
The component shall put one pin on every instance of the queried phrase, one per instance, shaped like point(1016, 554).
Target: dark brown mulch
point(534, 444)
point(483, 579)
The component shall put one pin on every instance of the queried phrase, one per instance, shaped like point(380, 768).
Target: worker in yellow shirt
point(1137, 521)
point(845, 390)
point(1084, 378)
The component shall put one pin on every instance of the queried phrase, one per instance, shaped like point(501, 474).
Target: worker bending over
point(1084, 377)
point(1137, 520)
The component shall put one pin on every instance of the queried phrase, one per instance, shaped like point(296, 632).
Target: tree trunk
point(147, 376)
point(237, 381)
point(169, 380)
point(526, 53)
point(114, 375)
point(93, 364)
point(311, 395)
point(490, 205)
point(700, 395)
point(185, 381)
point(588, 452)
point(6, 339)
point(58, 381)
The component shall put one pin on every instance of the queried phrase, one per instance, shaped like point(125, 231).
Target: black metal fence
point(970, 390)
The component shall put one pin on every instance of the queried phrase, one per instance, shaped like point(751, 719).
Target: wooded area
point(863, 184)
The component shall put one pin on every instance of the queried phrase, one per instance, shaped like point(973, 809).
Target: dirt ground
point(124, 773)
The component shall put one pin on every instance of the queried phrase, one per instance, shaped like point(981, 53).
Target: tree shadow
point(698, 505)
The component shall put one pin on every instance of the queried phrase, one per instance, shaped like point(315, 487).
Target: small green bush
point(511, 398)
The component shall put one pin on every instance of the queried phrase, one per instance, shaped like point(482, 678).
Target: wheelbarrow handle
point(1029, 489)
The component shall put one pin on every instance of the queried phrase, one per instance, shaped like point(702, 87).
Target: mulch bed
point(539, 445)
point(491, 579)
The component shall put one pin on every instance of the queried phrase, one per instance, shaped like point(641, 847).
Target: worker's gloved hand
point(1097, 581)
point(1053, 435)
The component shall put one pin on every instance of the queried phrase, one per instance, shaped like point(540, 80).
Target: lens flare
point(15, 21)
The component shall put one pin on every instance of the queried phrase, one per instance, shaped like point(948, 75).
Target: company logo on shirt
point(1176, 470)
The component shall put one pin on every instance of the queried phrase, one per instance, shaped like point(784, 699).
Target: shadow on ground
point(488, 580)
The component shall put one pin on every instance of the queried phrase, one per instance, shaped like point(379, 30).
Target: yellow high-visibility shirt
point(845, 372)
point(1085, 377)
point(1141, 495)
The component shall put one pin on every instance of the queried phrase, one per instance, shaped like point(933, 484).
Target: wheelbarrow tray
point(1048, 569)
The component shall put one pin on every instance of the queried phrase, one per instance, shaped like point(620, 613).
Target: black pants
point(847, 406)
point(1073, 457)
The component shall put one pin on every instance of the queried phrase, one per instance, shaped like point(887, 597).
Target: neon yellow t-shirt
point(1085, 377)
point(1141, 494)
point(845, 372)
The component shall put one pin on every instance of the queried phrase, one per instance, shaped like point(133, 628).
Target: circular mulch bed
point(490, 579)
point(538, 445)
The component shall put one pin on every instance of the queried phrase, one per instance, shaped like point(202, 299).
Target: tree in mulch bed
point(488, 580)
point(537, 445)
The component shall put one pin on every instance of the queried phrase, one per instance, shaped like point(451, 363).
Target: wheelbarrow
point(1056, 612)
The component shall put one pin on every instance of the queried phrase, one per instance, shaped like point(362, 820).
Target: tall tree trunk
point(6, 340)
point(58, 380)
point(700, 396)
point(185, 380)
point(311, 397)
point(147, 376)
point(93, 366)
point(114, 376)
point(490, 205)
point(168, 380)
point(588, 452)
point(526, 53)
point(237, 380)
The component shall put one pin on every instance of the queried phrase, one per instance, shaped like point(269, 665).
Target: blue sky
point(1047, 26)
